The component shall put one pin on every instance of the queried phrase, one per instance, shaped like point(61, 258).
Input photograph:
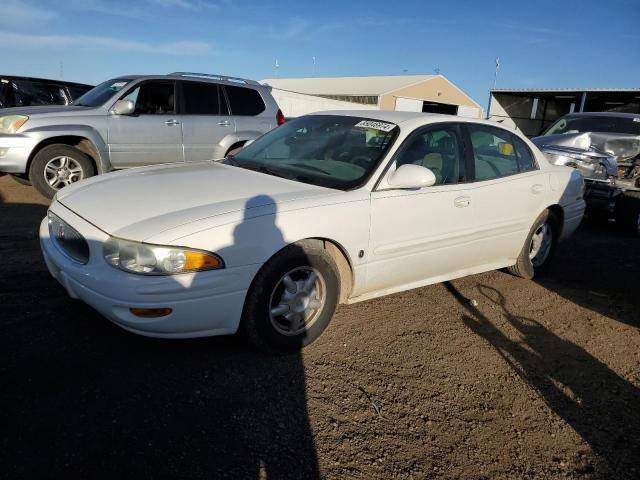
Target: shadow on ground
point(597, 403)
point(598, 274)
point(81, 398)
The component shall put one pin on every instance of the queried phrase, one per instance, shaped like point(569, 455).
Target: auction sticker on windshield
point(382, 126)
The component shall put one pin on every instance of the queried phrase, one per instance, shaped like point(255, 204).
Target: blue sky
point(561, 43)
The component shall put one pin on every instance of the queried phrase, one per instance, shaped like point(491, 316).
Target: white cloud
point(182, 47)
point(16, 13)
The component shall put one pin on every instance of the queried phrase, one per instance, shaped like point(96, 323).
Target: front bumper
point(15, 150)
point(202, 303)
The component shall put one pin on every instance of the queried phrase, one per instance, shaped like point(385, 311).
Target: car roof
point(410, 119)
point(603, 114)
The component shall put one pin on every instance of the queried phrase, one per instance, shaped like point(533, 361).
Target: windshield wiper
point(231, 160)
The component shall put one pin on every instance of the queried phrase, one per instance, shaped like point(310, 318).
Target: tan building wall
point(428, 90)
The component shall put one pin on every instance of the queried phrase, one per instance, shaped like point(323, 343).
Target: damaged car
point(605, 148)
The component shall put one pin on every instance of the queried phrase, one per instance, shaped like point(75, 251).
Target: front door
point(153, 133)
point(423, 234)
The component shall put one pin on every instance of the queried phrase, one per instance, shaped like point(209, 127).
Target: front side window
point(493, 151)
point(244, 101)
point(153, 98)
point(440, 150)
point(201, 98)
point(326, 150)
point(98, 95)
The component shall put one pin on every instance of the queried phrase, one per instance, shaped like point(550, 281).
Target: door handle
point(462, 202)
point(172, 122)
point(224, 123)
point(537, 188)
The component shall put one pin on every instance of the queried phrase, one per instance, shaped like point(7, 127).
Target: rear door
point(423, 233)
point(246, 105)
point(508, 190)
point(205, 121)
point(153, 133)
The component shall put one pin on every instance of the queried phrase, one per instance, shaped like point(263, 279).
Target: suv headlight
point(147, 259)
point(11, 123)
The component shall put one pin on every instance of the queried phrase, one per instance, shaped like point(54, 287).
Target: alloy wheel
point(297, 300)
point(62, 171)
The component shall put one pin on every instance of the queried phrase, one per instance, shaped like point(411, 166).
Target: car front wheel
point(292, 298)
point(538, 247)
point(57, 166)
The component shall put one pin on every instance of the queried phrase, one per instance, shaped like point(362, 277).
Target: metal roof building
point(533, 110)
point(418, 93)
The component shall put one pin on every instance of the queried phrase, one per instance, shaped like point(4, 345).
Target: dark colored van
point(27, 91)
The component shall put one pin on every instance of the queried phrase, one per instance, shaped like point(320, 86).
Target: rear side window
point(525, 157)
point(244, 101)
point(201, 98)
point(493, 151)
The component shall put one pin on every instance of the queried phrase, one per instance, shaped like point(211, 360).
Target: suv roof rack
point(216, 77)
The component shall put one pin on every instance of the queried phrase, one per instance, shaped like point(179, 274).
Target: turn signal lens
point(201, 261)
point(150, 312)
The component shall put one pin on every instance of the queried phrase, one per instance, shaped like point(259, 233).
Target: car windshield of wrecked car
point(331, 151)
point(101, 93)
point(596, 124)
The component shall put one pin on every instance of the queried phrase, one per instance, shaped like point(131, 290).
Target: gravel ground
point(490, 376)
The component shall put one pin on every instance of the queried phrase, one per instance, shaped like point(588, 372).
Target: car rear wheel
point(539, 246)
point(292, 298)
point(57, 166)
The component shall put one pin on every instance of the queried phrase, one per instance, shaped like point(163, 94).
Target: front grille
point(68, 239)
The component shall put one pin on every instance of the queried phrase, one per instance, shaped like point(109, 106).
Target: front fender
point(48, 133)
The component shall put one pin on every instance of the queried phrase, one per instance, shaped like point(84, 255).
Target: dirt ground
point(489, 376)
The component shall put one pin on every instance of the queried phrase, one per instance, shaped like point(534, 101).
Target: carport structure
point(533, 110)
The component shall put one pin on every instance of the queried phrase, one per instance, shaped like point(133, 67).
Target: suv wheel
point(56, 166)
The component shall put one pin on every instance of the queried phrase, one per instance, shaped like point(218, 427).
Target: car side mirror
point(411, 176)
point(123, 107)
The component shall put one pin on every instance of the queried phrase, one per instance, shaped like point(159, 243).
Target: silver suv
point(132, 121)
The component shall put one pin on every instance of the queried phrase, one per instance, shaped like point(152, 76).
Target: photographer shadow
point(81, 398)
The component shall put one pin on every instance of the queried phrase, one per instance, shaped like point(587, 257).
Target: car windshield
point(326, 150)
point(595, 123)
point(103, 92)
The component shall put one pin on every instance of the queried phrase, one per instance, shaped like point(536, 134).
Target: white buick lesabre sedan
point(328, 208)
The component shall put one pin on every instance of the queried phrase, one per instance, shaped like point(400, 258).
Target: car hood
point(139, 203)
point(44, 110)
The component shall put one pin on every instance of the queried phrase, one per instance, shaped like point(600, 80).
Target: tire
point(528, 266)
point(264, 317)
point(20, 178)
point(628, 213)
point(76, 167)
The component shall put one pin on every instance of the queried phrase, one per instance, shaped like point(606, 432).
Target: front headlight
point(149, 259)
point(11, 123)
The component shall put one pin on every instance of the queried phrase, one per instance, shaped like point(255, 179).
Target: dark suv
point(27, 91)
